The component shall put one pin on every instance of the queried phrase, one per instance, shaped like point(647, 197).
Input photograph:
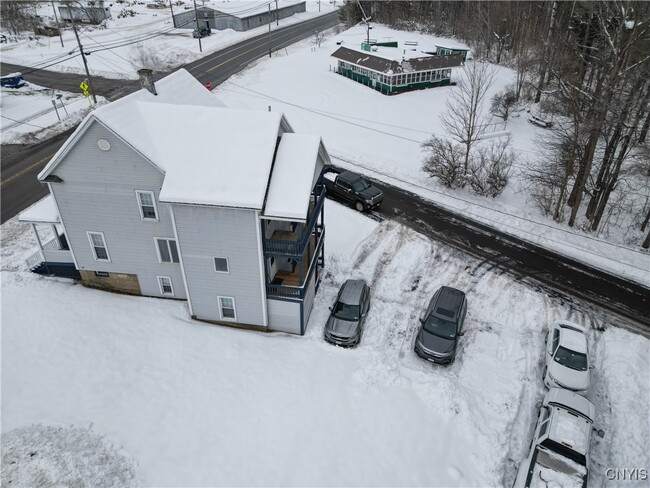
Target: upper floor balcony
point(287, 238)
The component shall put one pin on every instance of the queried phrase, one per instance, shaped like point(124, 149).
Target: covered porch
point(53, 256)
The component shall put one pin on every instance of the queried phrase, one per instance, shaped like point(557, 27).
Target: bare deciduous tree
point(465, 118)
point(318, 38)
point(19, 15)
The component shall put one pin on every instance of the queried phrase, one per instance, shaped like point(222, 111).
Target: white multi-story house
point(166, 193)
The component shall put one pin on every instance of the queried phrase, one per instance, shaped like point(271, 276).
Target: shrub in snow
point(503, 103)
point(490, 168)
point(445, 161)
point(126, 12)
point(40, 455)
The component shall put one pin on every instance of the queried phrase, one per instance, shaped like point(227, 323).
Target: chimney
point(146, 80)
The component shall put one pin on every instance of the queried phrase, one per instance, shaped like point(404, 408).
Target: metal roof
point(384, 65)
point(351, 292)
point(449, 303)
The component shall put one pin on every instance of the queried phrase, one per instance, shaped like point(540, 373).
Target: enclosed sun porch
point(53, 256)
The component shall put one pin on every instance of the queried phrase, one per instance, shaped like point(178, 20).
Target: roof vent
point(146, 80)
point(103, 144)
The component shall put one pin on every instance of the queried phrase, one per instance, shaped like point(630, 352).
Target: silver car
point(345, 324)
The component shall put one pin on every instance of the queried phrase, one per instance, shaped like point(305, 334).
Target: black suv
point(442, 324)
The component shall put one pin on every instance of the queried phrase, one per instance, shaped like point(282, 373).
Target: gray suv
point(442, 324)
point(345, 324)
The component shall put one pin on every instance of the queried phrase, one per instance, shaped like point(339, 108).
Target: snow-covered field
point(28, 114)
point(196, 405)
point(381, 136)
point(148, 36)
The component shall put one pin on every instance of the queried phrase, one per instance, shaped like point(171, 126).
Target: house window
point(101, 274)
point(167, 252)
point(227, 308)
point(165, 284)
point(147, 205)
point(221, 265)
point(98, 246)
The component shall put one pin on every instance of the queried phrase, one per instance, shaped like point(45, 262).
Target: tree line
point(585, 65)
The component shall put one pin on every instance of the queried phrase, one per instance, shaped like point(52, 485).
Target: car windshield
point(571, 359)
point(344, 311)
point(440, 327)
point(361, 185)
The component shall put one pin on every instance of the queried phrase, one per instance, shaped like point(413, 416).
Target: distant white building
point(91, 12)
point(142, 203)
point(239, 16)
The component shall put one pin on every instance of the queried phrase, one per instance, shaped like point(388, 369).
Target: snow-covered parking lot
point(197, 405)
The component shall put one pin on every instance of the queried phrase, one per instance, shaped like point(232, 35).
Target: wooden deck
point(293, 278)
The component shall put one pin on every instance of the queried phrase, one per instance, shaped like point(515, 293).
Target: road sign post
point(56, 110)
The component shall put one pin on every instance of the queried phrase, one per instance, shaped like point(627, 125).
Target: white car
point(567, 359)
point(559, 451)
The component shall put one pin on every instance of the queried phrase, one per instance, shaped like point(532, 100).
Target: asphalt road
point(215, 68)
point(553, 274)
point(21, 164)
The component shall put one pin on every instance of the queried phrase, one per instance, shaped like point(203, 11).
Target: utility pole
point(58, 26)
point(277, 16)
point(319, 5)
point(198, 31)
point(172, 11)
point(269, 30)
point(83, 55)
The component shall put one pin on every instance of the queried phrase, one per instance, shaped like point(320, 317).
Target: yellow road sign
point(84, 86)
point(86, 93)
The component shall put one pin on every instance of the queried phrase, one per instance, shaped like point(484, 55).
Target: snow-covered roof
point(44, 212)
point(292, 178)
point(122, 116)
point(570, 430)
point(210, 155)
point(223, 156)
point(242, 10)
point(392, 60)
point(574, 341)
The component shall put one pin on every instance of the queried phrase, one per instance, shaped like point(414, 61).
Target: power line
point(453, 197)
point(332, 115)
point(21, 122)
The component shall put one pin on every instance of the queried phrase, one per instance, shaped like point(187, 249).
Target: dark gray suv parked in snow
point(345, 324)
point(442, 324)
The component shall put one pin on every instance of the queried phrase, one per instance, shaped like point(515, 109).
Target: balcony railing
point(298, 292)
point(51, 253)
point(297, 247)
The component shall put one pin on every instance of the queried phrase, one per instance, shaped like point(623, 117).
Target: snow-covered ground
point(28, 114)
point(196, 404)
point(148, 36)
point(381, 136)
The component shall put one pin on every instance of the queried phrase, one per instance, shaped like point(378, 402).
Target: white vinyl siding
point(227, 308)
point(166, 287)
point(98, 246)
point(167, 250)
point(221, 265)
point(147, 205)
